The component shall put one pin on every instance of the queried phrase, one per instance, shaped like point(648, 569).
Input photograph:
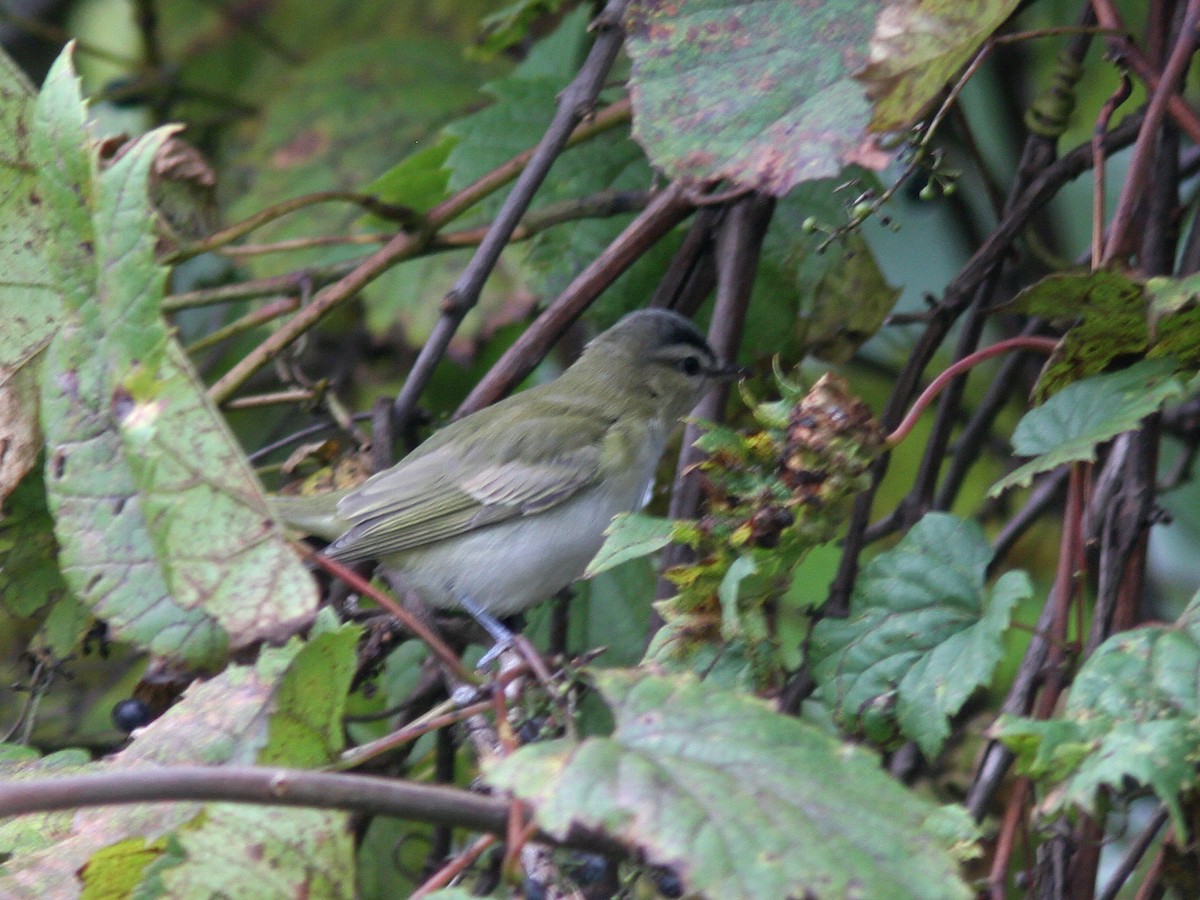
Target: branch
point(1143, 151)
point(575, 102)
point(271, 213)
point(278, 787)
point(354, 275)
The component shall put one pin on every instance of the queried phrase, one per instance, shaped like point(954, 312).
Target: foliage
point(1131, 717)
point(923, 635)
point(193, 309)
point(677, 738)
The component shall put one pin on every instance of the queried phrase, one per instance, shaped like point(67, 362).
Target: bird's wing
point(452, 490)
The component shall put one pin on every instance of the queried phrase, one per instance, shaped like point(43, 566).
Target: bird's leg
point(504, 640)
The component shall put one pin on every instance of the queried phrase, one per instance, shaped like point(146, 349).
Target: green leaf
point(1133, 714)
point(761, 94)
point(1111, 321)
point(35, 831)
point(1083, 415)
point(30, 581)
point(115, 870)
point(630, 536)
point(163, 527)
point(29, 303)
point(511, 25)
point(306, 726)
point(282, 853)
point(836, 329)
point(923, 633)
point(918, 48)
point(731, 615)
point(419, 181)
point(740, 801)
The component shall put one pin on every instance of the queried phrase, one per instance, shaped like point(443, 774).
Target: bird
point(503, 508)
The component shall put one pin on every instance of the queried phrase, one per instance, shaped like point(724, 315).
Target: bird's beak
point(729, 372)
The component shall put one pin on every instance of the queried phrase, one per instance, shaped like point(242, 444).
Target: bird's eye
point(689, 365)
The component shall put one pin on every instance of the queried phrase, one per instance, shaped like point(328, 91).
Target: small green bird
point(506, 506)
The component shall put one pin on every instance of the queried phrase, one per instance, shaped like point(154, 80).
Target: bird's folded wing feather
point(452, 490)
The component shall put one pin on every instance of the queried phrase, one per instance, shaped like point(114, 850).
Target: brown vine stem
point(1144, 148)
point(1125, 50)
point(1067, 579)
point(411, 622)
point(1119, 96)
point(269, 786)
point(574, 104)
point(1022, 342)
point(219, 239)
point(455, 867)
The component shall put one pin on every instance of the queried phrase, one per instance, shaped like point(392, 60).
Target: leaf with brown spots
point(735, 818)
point(163, 528)
point(759, 93)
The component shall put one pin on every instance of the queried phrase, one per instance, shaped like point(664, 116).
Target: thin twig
point(271, 213)
point(455, 867)
point(441, 716)
point(1042, 344)
point(1133, 855)
point(278, 307)
point(1119, 96)
point(1143, 149)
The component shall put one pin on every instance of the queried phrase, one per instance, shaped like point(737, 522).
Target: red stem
point(411, 622)
point(1024, 342)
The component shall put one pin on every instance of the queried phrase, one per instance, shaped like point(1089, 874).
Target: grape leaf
point(163, 527)
point(760, 93)
point(1070, 425)
point(923, 634)
point(1133, 714)
point(740, 801)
